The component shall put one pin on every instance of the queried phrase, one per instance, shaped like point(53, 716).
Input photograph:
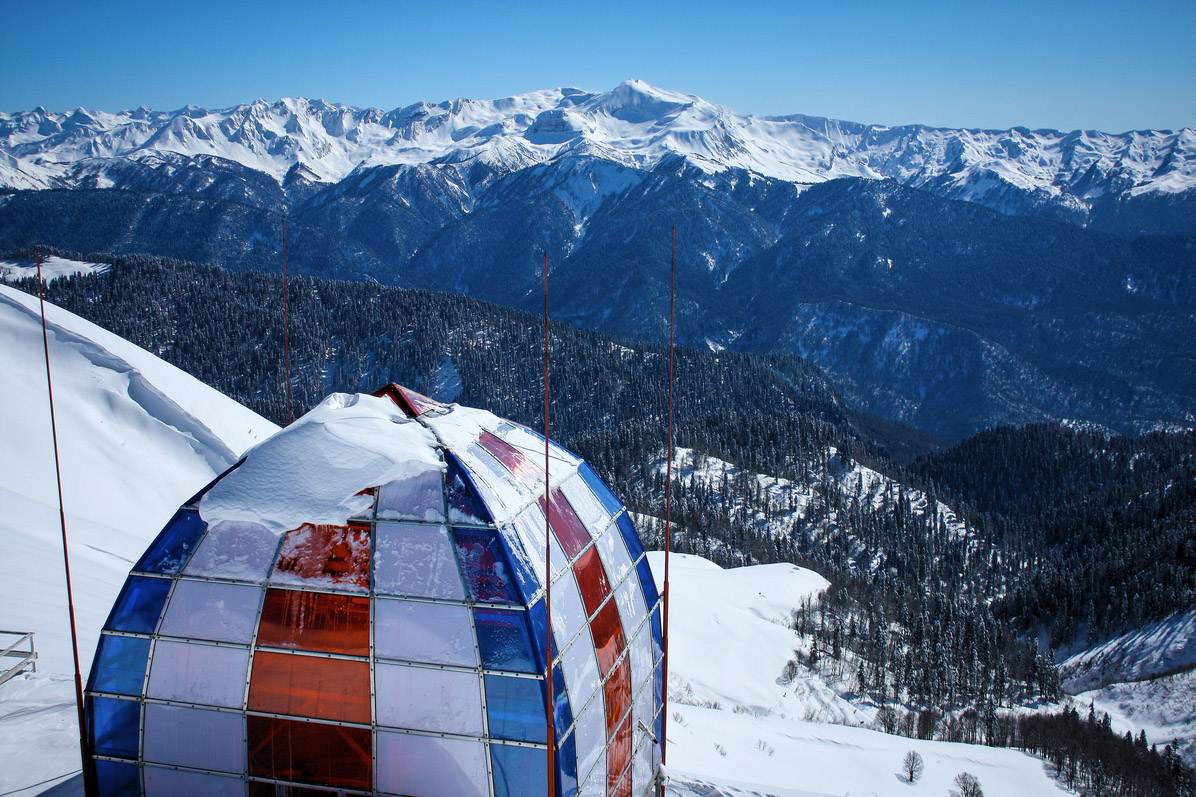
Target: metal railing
point(25, 658)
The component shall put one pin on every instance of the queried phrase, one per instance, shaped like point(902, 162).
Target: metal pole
point(548, 557)
point(89, 784)
point(668, 504)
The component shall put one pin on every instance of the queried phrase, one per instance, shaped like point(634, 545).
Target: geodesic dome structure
point(358, 606)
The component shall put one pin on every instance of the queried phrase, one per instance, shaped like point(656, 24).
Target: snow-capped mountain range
point(635, 125)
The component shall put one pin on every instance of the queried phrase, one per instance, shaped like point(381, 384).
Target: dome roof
point(359, 606)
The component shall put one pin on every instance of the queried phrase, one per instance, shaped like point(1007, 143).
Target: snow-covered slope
point(137, 437)
point(634, 124)
point(735, 730)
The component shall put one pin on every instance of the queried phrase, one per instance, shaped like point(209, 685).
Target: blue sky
point(1111, 66)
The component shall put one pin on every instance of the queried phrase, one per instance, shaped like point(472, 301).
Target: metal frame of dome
point(399, 653)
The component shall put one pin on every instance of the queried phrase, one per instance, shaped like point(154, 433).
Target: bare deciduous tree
point(912, 766)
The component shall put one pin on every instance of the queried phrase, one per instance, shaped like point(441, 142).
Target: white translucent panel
point(591, 748)
point(425, 699)
point(173, 782)
point(631, 609)
point(494, 481)
point(420, 497)
point(194, 737)
point(236, 550)
point(194, 673)
point(440, 633)
point(568, 612)
point(560, 561)
point(641, 762)
point(580, 665)
point(642, 683)
point(585, 504)
point(416, 560)
point(425, 766)
point(614, 555)
point(533, 446)
point(529, 527)
point(211, 610)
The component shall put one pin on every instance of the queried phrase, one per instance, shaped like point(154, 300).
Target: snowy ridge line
point(635, 125)
point(1163, 648)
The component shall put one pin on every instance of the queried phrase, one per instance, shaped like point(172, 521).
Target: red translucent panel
point(310, 752)
point(527, 471)
point(409, 401)
point(618, 757)
point(329, 555)
point(616, 692)
point(591, 578)
point(318, 621)
point(310, 686)
point(565, 524)
point(609, 641)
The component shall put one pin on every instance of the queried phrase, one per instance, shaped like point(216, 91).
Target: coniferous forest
point(943, 567)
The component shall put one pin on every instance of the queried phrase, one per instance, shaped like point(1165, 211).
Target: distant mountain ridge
point(1078, 176)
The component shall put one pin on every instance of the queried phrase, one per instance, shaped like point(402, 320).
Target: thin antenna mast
point(668, 502)
point(89, 784)
point(548, 559)
point(286, 323)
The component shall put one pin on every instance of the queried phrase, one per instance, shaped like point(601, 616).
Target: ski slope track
point(634, 125)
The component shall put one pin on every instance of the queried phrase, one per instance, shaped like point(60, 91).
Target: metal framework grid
point(399, 654)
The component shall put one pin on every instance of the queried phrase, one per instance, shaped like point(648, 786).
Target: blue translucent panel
point(521, 565)
point(647, 582)
point(631, 537)
point(515, 709)
point(139, 606)
point(114, 726)
point(463, 502)
point(604, 493)
point(485, 565)
point(117, 779)
point(173, 547)
point(504, 640)
point(518, 771)
point(539, 620)
point(562, 714)
point(566, 767)
point(119, 665)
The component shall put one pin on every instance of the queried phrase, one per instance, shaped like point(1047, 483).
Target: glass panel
point(487, 572)
point(566, 525)
point(310, 686)
point(236, 550)
point(527, 471)
point(172, 782)
point(169, 552)
point(439, 633)
point(640, 653)
point(539, 628)
point(500, 490)
point(521, 565)
point(423, 766)
point(194, 673)
point(117, 779)
point(614, 555)
point(562, 714)
point(140, 605)
point(641, 765)
point(569, 614)
point(631, 537)
point(518, 771)
point(420, 497)
point(609, 641)
point(591, 748)
point(618, 759)
point(635, 618)
point(310, 752)
point(515, 709)
point(115, 726)
point(647, 582)
point(591, 512)
point(581, 671)
point(504, 641)
point(532, 444)
point(210, 610)
point(591, 580)
point(601, 491)
point(119, 665)
point(465, 506)
point(417, 561)
point(428, 700)
point(566, 758)
point(529, 527)
point(193, 737)
point(616, 692)
point(318, 621)
point(330, 556)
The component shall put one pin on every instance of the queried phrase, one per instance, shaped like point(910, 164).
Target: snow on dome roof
point(359, 605)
